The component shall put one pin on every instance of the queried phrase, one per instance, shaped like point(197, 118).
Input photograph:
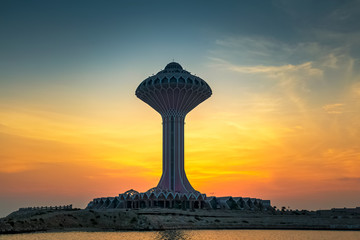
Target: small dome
point(173, 65)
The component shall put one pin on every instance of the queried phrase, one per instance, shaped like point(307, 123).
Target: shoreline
point(66, 230)
point(115, 220)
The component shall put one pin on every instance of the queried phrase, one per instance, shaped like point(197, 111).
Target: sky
point(283, 122)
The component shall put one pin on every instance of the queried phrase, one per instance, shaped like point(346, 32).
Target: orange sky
point(261, 145)
point(283, 122)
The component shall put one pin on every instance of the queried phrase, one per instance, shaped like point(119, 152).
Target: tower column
point(173, 176)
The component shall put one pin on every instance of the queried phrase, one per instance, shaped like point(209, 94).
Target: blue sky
point(52, 34)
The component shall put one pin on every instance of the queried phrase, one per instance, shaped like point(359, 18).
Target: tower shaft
point(173, 177)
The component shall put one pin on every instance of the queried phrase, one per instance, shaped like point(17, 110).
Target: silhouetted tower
point(173, 92)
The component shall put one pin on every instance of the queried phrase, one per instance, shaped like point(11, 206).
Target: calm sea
point(194, 235)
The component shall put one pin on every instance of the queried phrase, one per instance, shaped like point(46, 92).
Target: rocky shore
point(163, 219)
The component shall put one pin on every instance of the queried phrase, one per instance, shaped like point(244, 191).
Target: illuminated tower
point(173, 92)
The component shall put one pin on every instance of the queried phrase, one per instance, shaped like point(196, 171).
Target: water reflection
point(192, 235)
point(171, 235)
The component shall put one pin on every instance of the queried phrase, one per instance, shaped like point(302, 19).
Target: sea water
point(193, 235)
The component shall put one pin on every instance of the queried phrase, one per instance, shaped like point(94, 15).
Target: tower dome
point(173, 65)
point(173, 89)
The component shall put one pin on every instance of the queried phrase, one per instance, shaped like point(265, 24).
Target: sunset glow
point(283, 122)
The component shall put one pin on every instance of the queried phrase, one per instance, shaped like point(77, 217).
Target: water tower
point(173, 92)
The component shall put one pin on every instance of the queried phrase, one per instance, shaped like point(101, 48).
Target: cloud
point(336, 108)
point(256, 46)
point(270, 70)
point(15, 167)
point(321, 16)
point(351, 179)
point(291, 82)
point(252, 50)
point(327, 49)
point(274, 71)
point(355, 90)
point(302, 73)
point(331, 61)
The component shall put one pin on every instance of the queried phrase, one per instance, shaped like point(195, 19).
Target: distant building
point(339, 211)
point(174, 92)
